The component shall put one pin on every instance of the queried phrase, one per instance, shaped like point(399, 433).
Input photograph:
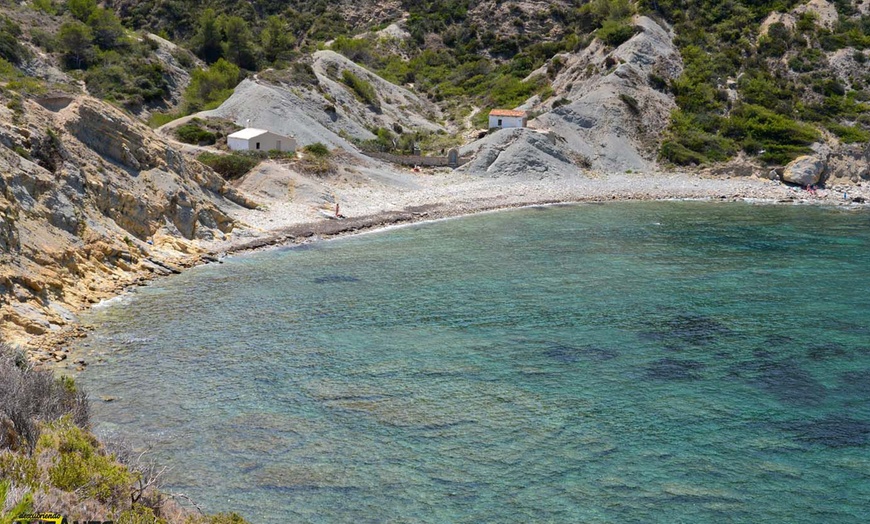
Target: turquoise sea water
point(657, 362)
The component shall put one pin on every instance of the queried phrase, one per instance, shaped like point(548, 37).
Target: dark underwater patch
point(832, 432)
point(857, 382)
point(851, 328)
point(786, 381)
point(335, 279)
point(696, 330)
point(827, 351)
point(568, 354)
point(779, 340)
point(674, 369)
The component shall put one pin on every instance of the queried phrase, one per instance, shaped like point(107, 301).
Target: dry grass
point(29, 397)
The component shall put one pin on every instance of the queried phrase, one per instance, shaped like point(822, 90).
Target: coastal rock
point(95, 195)
point(604, 105)
point(521, 152)
point(849, 163)
point(804, 171)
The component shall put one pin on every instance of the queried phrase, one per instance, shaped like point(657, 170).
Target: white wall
point(267, 141)
point(506, 121)
point(237, 144)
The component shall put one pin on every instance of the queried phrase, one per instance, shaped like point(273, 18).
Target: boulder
point(804, 171)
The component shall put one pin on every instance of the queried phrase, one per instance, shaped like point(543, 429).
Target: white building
point(251, 139)
point(505, 118)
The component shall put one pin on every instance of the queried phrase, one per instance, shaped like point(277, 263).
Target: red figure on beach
point(337, 214)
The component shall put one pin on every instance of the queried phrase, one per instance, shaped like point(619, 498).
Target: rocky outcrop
point(522, 153)
point(91, 200)
point(849, 163)
point(609, 112)
point(605, 113)
point(321, 108)
point(806, 170)
point(177, 75)
point(112, 136)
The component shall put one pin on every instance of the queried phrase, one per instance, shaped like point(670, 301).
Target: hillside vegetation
point(50, 461)
point(92, 199)
point(765, 78)
point(770, 88)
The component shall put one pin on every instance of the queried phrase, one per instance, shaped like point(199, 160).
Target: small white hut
point(251, 139)
point(505, 118)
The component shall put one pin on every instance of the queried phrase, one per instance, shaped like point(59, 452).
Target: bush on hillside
point(782, 138)
point(10, 41)
point(129, 80)
point(615, 33)
point(231, 166)
point(317, 149)
point(363, 90)
point(850, 134)
point(680, 155)
point(192, 133)
point(210, 87)
point(29, 397)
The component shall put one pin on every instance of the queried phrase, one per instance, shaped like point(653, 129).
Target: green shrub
point(679, 154)
point(210, 87)
point(19, 468)
point(76, 42)
point(317, 149)
point(631, 102)
point(31, 397)
point(615, 33)
point(82, 464)
point(226, 518)
point(361, 88)
point(157, 119)
point(230, 166)
point(657, 82)
point(849, 134)
point(43, 39)
point(192, 133)
point(129, 80)
point(22, 152)
point(768, 127)
point(25, 505)
point(139, 514)
point(10, 42)
point(46, 6)
point(81, 9)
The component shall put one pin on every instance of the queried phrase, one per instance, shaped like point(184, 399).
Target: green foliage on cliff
point(232, 165)
point(461, 59)
point(363, 90)
point(48, 455)
point(193, 133)
point(208, 88)
point(767, 95)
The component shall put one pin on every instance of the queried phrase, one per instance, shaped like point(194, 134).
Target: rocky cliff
point(91, 200)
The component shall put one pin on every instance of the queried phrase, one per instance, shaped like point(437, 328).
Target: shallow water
point(658, 362)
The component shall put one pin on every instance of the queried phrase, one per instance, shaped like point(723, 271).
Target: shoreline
point(51, 349)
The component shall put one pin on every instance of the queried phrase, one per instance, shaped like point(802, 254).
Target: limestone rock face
point(849, 163)
point(804, 171)
point(605, 112)
point(92, 200)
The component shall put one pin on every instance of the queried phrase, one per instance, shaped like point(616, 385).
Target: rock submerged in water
point(804, 170)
